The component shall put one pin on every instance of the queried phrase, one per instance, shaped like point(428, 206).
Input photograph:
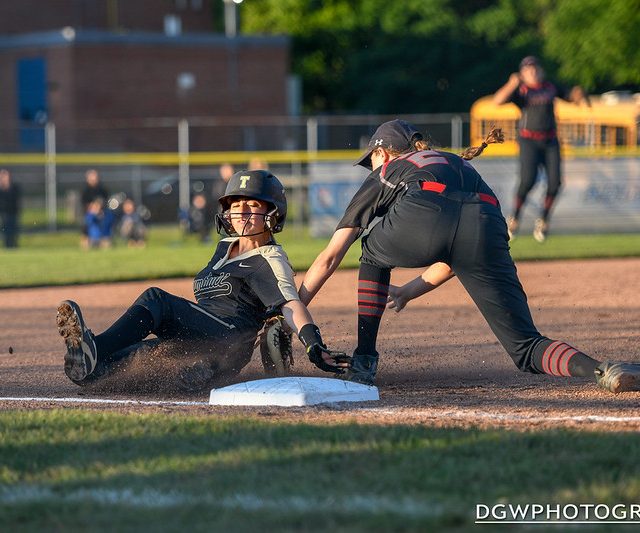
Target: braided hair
point(419, 143)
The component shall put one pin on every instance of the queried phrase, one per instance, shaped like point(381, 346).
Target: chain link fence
point(161, 163)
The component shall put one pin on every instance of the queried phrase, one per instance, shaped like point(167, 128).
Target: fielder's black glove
point(310, 336)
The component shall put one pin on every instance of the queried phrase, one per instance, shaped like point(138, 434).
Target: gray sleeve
point(273, 282)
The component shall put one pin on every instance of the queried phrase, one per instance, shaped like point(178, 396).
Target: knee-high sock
point(517, 207)
point(133, 326)
point(546, 209)
point(561, 359)
point(373, 288)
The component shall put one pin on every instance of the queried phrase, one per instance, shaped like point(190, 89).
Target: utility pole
point(231, 17)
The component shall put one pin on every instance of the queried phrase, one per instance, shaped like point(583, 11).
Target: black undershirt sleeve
point(362, 208)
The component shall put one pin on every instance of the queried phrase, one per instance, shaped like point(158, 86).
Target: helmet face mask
point(259, 185)
point(224, 221)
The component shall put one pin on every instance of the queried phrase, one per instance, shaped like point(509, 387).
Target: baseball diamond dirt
point(440, 363)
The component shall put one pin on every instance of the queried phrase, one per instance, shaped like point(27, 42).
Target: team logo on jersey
point(243, 181)
point(212, 286)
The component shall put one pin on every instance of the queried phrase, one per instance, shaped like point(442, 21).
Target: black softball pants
point(536, 153)
point(470, 235)
point(182, 325)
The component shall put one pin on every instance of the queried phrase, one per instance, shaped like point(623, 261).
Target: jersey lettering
point(426, 158)
point(212, 286)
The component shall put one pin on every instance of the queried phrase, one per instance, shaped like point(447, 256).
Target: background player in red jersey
point(247, 278)
point(436, 210)
point(537, 137)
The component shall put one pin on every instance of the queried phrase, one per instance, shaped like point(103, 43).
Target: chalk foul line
point(429, 413)
point(148, 498)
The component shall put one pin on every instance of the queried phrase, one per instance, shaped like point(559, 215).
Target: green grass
point(37, 219)
point(56, 258)
point(577, 247)
point(81, 470)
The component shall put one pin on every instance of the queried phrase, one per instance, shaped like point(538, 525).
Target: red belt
point(434, 186)
point(538, 135)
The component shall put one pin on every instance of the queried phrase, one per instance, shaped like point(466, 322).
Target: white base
point(293, 391)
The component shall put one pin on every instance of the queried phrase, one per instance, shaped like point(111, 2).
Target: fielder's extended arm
point(327, 262)
point(432, 278)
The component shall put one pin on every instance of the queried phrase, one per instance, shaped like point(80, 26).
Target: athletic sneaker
point(512, 227)
point(540, 229)
point(81, 357)
point(618, 377)
point(363, 369)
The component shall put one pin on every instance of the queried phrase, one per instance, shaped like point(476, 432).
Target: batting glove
point(310, 336)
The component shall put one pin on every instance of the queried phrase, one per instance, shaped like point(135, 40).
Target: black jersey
point(245, 287)
point(536, 104)
point(388, 183)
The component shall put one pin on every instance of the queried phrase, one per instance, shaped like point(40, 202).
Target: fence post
point(312, 149)
point(312, 135)
point(183, 165)
point(136, 184)
point(456, 132)
point(50, 175)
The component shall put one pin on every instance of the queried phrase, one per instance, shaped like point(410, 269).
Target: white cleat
point(540, 230)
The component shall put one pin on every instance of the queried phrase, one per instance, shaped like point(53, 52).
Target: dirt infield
point(440, 362)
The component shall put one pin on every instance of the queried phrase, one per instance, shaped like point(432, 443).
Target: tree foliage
point(596, 43)
point(441, 55)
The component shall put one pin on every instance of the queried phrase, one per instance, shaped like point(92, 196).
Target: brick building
point(103, 72)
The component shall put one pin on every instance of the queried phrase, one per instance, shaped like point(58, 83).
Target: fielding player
point(248, 275)
point(437, 210)
point(537, 137)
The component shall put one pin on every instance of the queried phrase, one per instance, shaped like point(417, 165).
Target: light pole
point(231, 17)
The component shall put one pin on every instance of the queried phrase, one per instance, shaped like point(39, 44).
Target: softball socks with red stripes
point(549, 200)
point(558, 358)
point(373, 288)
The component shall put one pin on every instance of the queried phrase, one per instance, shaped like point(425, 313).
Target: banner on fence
point(599, 195)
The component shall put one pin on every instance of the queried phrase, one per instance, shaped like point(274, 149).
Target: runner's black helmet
point(258, 184)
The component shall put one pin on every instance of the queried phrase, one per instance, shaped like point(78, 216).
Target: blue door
point(32, 102)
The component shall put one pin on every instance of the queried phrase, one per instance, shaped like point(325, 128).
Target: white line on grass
point(369, 504)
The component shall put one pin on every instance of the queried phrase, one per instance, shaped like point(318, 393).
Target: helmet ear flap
point(271, 219)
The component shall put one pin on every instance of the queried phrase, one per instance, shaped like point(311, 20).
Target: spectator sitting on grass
point(132, 228)
point(99, 224)
point(200, 218)
point(93, 190)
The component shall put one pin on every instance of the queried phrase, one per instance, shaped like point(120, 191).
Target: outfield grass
point(84, 470)
point(56, 259)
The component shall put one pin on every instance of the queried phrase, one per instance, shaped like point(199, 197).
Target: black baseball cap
point(530, 61)
point(396, 134)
